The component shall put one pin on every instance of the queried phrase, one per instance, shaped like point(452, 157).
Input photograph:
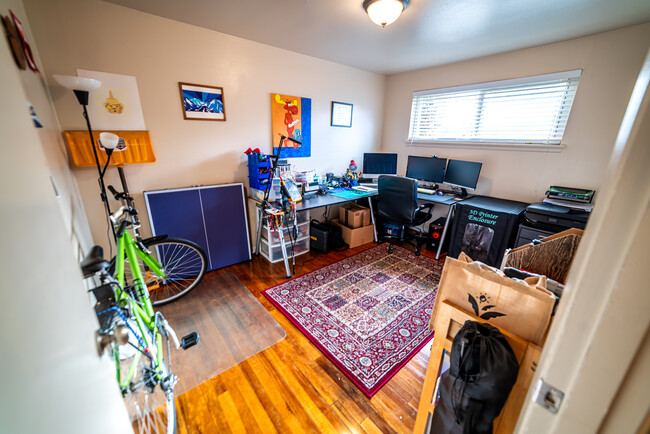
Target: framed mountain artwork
point(202, 102)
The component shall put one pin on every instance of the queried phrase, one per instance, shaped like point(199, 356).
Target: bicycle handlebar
point(119, 196)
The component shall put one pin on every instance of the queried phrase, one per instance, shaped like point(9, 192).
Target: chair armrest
point(428, 206)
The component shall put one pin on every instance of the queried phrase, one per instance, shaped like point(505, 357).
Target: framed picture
point(341, 114)
point(201, 102)
point(291, 117)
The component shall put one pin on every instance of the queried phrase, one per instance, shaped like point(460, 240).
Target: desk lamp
point(81, 87)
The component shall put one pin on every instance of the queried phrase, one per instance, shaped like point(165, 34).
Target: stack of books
point(575, 198)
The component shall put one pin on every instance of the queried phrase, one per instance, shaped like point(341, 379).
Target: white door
point(599, 336)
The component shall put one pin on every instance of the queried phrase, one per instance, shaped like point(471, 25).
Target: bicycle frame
point(127, 248)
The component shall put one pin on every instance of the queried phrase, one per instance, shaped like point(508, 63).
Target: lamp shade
point(77, 83)
point(384, 12)
point(108, 140)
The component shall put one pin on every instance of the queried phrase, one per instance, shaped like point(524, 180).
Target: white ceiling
point(429, 32)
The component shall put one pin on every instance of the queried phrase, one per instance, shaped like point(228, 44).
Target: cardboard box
point(356, 237)
point(354, 216)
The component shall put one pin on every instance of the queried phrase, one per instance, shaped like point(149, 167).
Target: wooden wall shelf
point(138, 148)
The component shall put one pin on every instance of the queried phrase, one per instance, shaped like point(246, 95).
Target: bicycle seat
point(94, 262)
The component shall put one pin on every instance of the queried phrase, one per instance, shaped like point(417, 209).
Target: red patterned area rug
point(368, 313)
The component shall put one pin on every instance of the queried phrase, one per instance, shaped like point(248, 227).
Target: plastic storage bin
point(303, 231)
point(274, 254)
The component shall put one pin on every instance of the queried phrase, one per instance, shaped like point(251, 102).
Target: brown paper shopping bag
point(521, 307)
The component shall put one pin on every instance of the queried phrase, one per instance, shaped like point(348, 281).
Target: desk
point(319, 201)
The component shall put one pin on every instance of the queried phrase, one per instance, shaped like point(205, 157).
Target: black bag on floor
point(325, 237)
point(475, 388)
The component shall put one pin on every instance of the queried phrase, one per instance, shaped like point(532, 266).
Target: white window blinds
point(528, 110)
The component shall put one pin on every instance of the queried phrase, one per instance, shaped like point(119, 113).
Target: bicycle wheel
point(150, 402)
point(184, 264)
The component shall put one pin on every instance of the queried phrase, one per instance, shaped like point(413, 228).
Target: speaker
point(435, 234)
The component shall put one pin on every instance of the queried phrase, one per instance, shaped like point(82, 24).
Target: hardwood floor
point(292, 387)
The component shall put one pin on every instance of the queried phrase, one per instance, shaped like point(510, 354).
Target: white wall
point(99, 36)
point(53, 380)
point(610, 61)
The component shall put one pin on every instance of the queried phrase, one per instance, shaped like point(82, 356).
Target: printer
point(550, 216)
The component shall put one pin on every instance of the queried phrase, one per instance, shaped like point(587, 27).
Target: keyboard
point(364, 188)
point(426, 191)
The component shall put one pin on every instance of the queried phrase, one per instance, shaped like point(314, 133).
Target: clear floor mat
point(232, 324)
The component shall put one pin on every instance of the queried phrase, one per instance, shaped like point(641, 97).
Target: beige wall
point(610, 61)
point(99, 36)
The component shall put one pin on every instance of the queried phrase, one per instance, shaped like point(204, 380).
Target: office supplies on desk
point(426, 191)
point(290, 189)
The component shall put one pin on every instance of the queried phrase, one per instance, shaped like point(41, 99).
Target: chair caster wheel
point(390, 250)
point(417, 253)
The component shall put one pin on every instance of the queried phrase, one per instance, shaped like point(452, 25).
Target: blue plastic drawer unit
point(259, 171)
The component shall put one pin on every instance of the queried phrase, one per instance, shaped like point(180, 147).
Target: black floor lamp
point(81, 87)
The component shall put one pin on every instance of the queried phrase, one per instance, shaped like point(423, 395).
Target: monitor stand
point(463, 192)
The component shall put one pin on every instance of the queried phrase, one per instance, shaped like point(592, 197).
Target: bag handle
point(538, 282)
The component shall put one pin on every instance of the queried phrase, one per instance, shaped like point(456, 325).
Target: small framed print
point(341, 114)
point(202, 102)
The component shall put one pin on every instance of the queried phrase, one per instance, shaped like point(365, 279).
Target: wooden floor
point(292, 386)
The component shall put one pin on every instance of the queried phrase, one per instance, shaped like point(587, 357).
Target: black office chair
point(398, 205)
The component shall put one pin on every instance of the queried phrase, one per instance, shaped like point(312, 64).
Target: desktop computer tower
point(435, 235)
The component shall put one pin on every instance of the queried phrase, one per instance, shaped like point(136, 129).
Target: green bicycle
point(143, 273)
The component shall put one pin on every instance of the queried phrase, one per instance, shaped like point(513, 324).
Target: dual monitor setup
point(455, 173)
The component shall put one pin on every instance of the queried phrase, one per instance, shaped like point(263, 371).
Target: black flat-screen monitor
point(379, 164)
point(463, 174)
point(426, 168)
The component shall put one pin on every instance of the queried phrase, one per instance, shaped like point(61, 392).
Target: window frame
point(573, 77)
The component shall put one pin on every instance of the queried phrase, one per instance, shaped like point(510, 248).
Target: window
point(527, 110)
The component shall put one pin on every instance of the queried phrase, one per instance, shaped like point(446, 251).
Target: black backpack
point(475, 388)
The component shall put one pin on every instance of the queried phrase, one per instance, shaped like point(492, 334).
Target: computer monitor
point(463, 174)
point(426, 168)
point(375, 164)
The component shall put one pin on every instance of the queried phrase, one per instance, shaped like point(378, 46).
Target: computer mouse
point(440, 193)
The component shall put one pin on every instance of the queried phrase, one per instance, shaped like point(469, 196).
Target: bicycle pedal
point(190, 340)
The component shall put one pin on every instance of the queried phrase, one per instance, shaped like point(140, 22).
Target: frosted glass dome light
point(384, 12)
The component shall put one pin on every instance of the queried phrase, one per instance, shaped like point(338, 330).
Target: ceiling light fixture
point(384, 12)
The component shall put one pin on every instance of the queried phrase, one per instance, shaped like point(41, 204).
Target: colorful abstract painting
point(291, 117)
point(202, 102)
